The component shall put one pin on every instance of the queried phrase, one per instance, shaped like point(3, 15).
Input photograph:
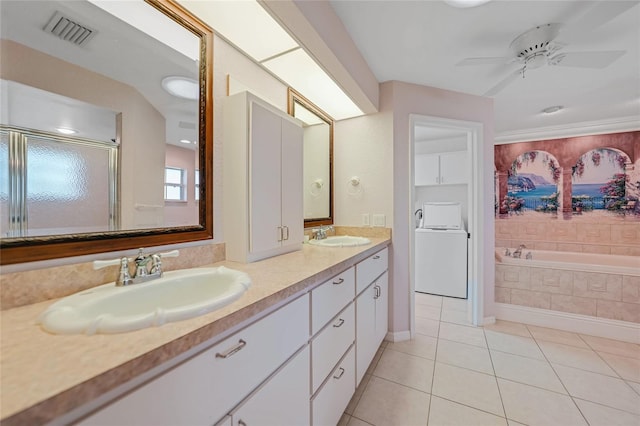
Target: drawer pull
point(241, 344)
point(340, 322)
point(241, 423)
point(377, 291)
point(339, 375)
point(340, 281)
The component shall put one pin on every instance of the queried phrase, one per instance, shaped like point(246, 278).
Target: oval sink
point(176, 296)
point(341, 241)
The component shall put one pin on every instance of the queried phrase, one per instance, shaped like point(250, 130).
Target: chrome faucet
point(320, 233)
point(518, 253)
point(141, 272)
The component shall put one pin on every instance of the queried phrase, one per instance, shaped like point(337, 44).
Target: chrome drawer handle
point(376, 257)
point(340, 322)
point(241, 344)
point(339, 375)
point(377, 291)
point(340, 281)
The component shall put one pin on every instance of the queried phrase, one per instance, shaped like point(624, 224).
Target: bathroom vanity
point(290, 351)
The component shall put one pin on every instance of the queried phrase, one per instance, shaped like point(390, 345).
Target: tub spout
point(518, 253)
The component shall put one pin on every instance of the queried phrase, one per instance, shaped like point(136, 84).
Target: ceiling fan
point(538, 46)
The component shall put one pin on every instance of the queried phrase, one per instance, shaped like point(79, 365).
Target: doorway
point(468, 138)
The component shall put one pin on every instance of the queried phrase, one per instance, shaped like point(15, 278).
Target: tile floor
point(505, 374)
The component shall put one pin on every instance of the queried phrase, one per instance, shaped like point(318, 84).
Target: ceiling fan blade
point(601, 59)
point(482, 61)
point(504, 83)
point(600, 13)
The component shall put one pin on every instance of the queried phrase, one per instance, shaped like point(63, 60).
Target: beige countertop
point(44, 376)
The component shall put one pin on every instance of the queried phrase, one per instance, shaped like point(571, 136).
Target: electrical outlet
point(365, 219)
point(379, 220)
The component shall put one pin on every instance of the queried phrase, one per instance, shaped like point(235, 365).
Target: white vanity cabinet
point(372, 309)
point(206, 387)
point(447, 168)
point(331, 400)
point(263, 193)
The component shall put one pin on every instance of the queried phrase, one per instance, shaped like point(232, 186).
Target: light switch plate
point(365, 219)
point(379, 220)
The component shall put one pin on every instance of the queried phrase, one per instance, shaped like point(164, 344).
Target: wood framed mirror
point(318, 159)
point(167, 40)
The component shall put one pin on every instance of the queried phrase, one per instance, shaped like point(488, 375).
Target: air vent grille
point(69, 30)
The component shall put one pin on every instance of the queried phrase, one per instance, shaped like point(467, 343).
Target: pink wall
point(405, 99)
point(182, 213)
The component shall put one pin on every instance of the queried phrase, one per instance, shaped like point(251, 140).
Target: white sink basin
point(341, 241)
point(176, 296)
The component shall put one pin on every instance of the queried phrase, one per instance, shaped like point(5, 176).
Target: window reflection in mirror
point(318, 160)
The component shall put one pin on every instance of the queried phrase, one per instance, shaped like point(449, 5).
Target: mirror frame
point(292, 97)
point(19, 250)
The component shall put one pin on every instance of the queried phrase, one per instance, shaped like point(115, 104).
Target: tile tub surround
point(38, 285)
point(605, 295)
point(595, 232)
point(39, 385)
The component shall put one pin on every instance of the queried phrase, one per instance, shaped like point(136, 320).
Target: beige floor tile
point(421, 345)
point(357, 394)
point(557, 336)
point(428, 312)
point(374, 361)
point(571, 356)
point(635, 386)
point(509, 327)
point(467, 387)
point(514, 423)
point(463, 355)
point(599, 415)
point(344, 420)
point(448, 413)
point(427, 327)
point(428, 299)
point(454, 304)
point(526, 370)
point(354, 421)
point(463, 334)
point(516, 345)
point(534, 406)
point(405, 369)
point(388, 403)
point(627, 368)
point(599, 388)
point(610, 346)
point(455, 317)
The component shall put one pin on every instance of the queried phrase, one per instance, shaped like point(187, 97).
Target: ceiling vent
point(69, 30)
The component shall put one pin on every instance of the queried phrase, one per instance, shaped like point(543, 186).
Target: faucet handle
point(99, 264)
point(156, 259)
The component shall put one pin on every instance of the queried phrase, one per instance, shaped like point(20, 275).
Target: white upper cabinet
point(447, 168)
point(263, 194)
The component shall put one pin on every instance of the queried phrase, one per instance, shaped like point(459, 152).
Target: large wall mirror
point(106, 127)
point(318, 159)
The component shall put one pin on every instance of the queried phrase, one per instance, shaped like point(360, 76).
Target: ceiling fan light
point(181, 87)
point(465, 3)
point(552, 109)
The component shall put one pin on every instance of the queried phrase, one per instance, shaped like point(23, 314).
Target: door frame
point(474, 132)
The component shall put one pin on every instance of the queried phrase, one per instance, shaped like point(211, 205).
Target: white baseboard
point(584, 324)
point(398, 336)
point(488, 320)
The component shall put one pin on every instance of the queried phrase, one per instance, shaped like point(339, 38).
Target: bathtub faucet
point(518, 253)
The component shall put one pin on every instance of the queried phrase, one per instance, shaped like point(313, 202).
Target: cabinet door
point(382, 308)
point(264, 175)
point(427, 169)
point(292, 191)
point(283, 400)
point(453, 168)
point(365, 331)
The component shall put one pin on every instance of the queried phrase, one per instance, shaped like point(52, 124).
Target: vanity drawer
point(330, 402)
point(330, 298)
point(370, 269)
point(207, 386)
point(332, 342)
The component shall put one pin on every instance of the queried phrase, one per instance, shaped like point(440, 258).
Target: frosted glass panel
point(4, 184)
point(67, 187)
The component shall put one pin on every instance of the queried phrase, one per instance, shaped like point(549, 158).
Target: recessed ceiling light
point(66, 131)
point(465, 3)
point(182, 87)
point(552, 109)
point(185, 141)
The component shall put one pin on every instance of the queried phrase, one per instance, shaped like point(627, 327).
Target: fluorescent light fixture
point(302, 73)
point(465, 3)
point(182, 87)
point(552, 109)
point(66, 131)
